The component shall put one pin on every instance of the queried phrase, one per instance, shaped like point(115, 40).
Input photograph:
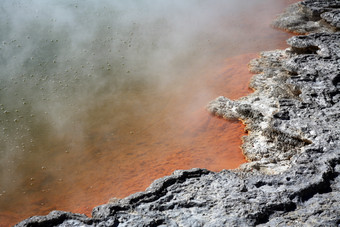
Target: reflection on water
point(98, 99)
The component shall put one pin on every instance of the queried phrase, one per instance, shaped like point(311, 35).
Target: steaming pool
point(100, 98)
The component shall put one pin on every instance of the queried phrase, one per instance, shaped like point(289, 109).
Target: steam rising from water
point(68, 68)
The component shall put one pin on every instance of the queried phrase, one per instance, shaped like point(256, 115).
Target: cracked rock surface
point(293, 146)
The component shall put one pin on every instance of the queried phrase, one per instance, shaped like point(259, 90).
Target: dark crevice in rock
point(306, 50)
point(321, 187)
point(336, 81)
point(181, 204)
point(260, 183)
point(158, 222)
point(283, 115)
point(56, 218)
point(306, 194)
point(161, 187)
point(263, 217)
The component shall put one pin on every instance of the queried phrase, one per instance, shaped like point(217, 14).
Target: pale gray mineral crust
point(293, 145)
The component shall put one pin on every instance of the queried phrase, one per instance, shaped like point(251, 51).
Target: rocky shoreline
point(293, 145)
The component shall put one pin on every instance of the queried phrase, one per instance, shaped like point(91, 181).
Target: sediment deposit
point(293, 146)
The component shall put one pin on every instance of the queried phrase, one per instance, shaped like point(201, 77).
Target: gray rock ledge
point(293, 124)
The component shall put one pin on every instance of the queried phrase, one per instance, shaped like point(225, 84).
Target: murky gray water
point(77, 74)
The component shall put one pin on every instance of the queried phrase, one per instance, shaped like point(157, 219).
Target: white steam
point(62, 61)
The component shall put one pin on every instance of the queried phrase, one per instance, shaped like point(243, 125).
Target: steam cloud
point(62, 61)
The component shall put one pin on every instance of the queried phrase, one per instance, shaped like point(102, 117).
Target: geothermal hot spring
point(100, 98)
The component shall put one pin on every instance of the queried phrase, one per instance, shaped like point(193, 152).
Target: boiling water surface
point(100, 98)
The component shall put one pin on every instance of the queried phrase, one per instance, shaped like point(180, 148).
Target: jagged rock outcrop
point(293, 124)
point(311, 16)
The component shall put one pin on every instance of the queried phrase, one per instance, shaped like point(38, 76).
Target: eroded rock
point(310, 16)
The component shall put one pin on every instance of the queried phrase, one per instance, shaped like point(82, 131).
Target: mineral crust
point(293, 145)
